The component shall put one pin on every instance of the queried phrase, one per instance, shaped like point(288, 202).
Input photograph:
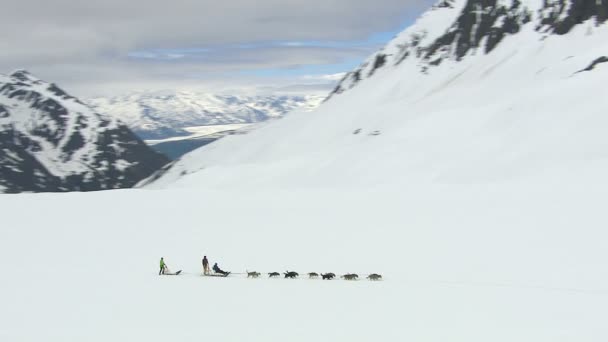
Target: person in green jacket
point(163, 266)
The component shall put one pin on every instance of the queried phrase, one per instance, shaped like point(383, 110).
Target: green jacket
point(162, 263)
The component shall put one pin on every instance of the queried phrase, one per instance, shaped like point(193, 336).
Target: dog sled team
point(218, 272)
point(314, 275)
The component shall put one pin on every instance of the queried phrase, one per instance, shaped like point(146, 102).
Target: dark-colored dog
point(350, 276)
point(291, 275)
point(274, 274)
point(313, 275)
point(374, 277)
point(253, 274)
point(328, 276)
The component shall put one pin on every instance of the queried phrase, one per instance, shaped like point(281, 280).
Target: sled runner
point(168, 272)
point(217, 275)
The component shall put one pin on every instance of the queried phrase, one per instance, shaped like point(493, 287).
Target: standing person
point(163, 266)
point(205, 265)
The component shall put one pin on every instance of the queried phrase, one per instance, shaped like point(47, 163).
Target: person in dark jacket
point(217, 269)
point(205, 266)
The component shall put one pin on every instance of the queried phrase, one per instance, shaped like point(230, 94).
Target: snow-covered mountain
point(159, 115)
point(474, 91)
point(51, 141)
point(454, 30)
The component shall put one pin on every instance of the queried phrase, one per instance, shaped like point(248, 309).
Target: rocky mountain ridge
point(52, 141)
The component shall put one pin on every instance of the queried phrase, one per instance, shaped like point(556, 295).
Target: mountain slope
point(455, 29)
point(50, 141)
point(159, 115)
point(474, 92)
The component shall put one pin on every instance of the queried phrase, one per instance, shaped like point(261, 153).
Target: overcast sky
point(107, 47)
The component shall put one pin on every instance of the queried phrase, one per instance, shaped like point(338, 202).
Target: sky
point(110, 47)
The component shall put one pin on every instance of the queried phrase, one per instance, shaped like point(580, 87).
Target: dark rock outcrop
point(480, 20)
point(560, 16)
point(600, 60)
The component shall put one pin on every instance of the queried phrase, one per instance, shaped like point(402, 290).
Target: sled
point(170, 273)
point(217, 275)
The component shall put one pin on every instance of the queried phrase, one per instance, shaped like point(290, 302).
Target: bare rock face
point(560, 16)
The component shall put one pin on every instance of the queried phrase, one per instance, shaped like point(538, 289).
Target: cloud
point(82, 43)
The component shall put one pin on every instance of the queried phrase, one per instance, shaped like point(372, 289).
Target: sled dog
point(292, 275)
point(374, 277)
point(350, 276)
point(253, 274)
point(328, 276)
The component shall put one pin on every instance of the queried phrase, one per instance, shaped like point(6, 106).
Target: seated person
point(217, 269)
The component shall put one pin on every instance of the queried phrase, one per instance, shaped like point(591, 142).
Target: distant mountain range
point(51, 141)
point(162, 115)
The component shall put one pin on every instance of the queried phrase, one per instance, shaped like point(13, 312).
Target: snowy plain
point(461, 263)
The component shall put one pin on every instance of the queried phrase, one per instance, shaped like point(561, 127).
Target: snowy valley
point(465, 162)
point(177, 122)
point(165, 114)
